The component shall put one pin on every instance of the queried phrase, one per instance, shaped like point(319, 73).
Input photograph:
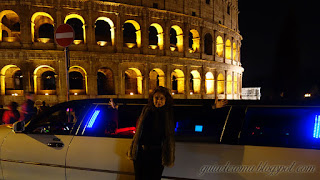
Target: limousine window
point(104, 121)
point(58, 121)
point(292, 127)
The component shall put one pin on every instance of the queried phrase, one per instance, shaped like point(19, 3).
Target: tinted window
point(59, 120)
point(104, 121)
point(281, 126)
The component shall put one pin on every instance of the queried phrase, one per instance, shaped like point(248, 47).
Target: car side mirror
point(19, 126)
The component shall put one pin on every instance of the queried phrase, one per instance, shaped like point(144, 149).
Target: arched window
point(228, 49)
point(48, 81)
point(77, 26)
point(42, 27)
point(155, 36)
point(209, 83)
point(10, 26)
point(105, 82)
point(208, 44)
point(103, 33)
point(133, 81)
point(220, 84)
point(235, 84)
point(229, 84)
point(195, 82)
point(219, 46)
point(131, 34)
point(194, 41)
point(76, 80)
point(157, 78)
point(177, 79)
point(176, 39)
point(18, 80)
point(234, 51)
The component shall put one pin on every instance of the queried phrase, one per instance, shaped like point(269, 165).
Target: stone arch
point(176, 38)
point(46, 33)
point(219, 46)
point(229, 84)
point(208, 44)
point(156, 78)
point(194, 41)
point(9, 23)
point(220, 84)
point(177, 79)
point(228, 49)
point(11, 80)
point(78, 80)
point(234, 48)
point(195, 82)
point(41, 85)
point(133, 81)
point(104, 34)
point(130, 38)
point(209, 83)
point(79, 26)
point(159, 36)
point(105, 81)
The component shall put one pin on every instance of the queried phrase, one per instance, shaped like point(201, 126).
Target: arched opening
point(11, 80)
point(155, 36)
point(195, 82)
point(9, 26)
point(219, 45)
point(157, 78)
point(177, 80)
point(133, 81)
point(220, 84)
point(105, 82)
point(228, 49)
point(208, 44)
point(42, 29)
point(176, 39)
point(104, 31)
point(44, 78)
point(229, 84)
point(194, 41)
point(234, 51)
point(78, 25)
point(209, 83)
point(77, 81)
point(131, 34)
point(235, 84)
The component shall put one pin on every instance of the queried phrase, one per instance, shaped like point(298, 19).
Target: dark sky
point(280, 45)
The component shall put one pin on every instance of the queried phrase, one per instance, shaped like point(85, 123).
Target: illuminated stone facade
point(122, 49)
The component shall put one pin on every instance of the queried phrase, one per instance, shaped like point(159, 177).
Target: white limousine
point(86, 140)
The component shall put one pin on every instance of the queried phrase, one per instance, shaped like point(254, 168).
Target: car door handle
point(54, 144)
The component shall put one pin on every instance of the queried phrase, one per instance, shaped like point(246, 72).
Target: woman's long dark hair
point(165, 92)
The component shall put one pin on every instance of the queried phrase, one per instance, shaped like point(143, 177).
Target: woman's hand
point(220, 103)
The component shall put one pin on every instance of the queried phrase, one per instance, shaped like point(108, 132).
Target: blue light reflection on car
point(198, 128)
point(93, 118)
point(316, 133)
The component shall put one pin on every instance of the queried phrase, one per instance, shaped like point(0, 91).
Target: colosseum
point(122, 49)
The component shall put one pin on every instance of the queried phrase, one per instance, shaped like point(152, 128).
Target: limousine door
point(39, 153)
point(95, 152)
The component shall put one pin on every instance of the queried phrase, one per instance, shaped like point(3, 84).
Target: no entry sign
point(64, 35)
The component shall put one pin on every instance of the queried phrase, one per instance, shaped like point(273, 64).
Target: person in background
point(44, 107)
point(1, 113)
point(27, 108)
point(12, 115)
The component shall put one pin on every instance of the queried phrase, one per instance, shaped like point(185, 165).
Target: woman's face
point(159, 100)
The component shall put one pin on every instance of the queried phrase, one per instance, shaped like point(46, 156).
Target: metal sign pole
point(66, 50)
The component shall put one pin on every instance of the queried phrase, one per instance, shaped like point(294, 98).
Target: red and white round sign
point(64, 35)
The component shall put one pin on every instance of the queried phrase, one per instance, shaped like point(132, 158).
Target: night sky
point(280, 51)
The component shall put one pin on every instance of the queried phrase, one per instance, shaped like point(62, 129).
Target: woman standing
point(153, 144)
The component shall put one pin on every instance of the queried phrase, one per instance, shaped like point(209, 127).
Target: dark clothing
point(27, 110)
point(148, 165)
point(153, 128)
